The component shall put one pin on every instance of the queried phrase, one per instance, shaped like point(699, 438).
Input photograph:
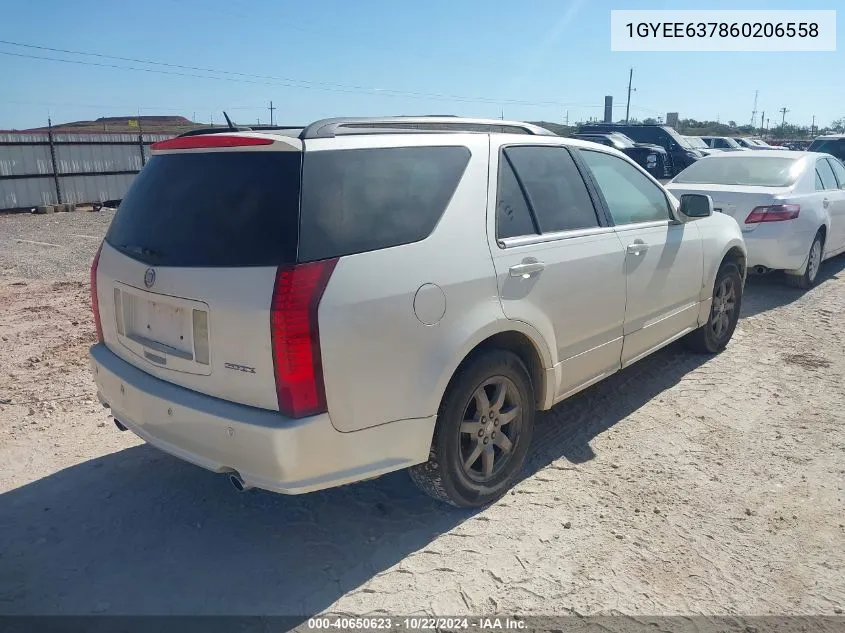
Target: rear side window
point(210, 209)
point(839, 171)
point(825, 175)
point(555, 189)
point(360, 200)
point(513, 217)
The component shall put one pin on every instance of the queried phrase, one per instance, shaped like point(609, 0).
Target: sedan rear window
point(757, 171)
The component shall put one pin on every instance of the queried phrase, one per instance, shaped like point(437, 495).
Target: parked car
point(755, 143)
point(652, 158)
point(680, 152)
point(833, 144)
point(698, 143)
point(300, 309)
point(790, 205)
point(724, 143)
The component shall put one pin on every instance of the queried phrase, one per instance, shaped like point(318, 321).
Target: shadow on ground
point(140, 532)
point(763, 293)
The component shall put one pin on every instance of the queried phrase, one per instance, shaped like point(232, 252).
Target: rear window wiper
point(139, 250)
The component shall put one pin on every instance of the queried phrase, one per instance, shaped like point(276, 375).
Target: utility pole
point(783, 111)
point(754, 110)
point(628, 106)
point(762, 121)
point(271, 112)
point(813, 126)
point(567, 118)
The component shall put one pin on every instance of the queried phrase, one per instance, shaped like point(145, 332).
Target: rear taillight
point(210, 141)
point(295, 337)
point(95, 302)
point(773, 213)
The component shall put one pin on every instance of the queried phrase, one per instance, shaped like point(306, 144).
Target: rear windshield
point(233, 209)
point(696, 142)
point(212, 209)
point(759, 171)
point(834, 146)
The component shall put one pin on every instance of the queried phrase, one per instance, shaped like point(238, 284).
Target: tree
point(838, 126)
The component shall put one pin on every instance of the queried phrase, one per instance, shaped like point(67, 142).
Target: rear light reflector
point(210, 141)
point(295, 337)
point(95, 302)
point(200, 321)
point(118, 311)
point(773, 213)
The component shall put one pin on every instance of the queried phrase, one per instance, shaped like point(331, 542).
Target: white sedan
point(789, 205)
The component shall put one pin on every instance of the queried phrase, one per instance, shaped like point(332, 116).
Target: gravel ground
point(59, 246)
point(682, 485)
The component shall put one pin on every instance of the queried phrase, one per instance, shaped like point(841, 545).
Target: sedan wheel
point(814, 262)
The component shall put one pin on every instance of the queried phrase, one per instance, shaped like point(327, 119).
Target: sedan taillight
point(773, 213)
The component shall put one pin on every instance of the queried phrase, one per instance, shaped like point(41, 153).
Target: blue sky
point(536, 59)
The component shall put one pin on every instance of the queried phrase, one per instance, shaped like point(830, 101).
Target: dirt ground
point(682, 485)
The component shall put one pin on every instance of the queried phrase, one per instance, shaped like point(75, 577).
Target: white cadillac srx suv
point(304, 308)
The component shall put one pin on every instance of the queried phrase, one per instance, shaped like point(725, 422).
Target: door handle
point(825, 203)
point(526, 269)
point(637, 248)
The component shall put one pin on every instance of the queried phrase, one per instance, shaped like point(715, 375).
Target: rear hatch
point(186, 274)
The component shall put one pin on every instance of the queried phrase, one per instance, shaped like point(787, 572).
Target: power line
point(281, 81)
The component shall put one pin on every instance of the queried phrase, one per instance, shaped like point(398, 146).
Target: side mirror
point(696, 205)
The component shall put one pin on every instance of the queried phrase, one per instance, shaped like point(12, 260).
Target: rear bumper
point(778, 246)
point(266, 449)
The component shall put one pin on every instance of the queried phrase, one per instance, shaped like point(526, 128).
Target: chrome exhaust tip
point(239, 484)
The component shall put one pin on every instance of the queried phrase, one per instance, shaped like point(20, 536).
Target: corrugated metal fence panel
point(27, 192)
point(19, 160)
point(15, 137)
point(88, 188)
point(74, 159)
point(75, 153)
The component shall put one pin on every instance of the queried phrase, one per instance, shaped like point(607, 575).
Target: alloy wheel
point(490, 428)
point(724, 308)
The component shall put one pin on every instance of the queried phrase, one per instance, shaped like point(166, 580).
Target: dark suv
point(652, 158)
point(833, 144)
point(681, 153)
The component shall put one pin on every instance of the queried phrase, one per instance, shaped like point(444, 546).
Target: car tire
point(713, 336)
point(814, 262)
point(477, 452)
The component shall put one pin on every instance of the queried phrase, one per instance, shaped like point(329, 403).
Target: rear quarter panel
point(381, 363)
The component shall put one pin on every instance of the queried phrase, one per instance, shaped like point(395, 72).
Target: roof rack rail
point(329, 128)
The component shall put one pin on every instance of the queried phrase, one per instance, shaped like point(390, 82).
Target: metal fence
point(52, 168)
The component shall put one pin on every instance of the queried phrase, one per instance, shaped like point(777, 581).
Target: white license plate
point(162, 323)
